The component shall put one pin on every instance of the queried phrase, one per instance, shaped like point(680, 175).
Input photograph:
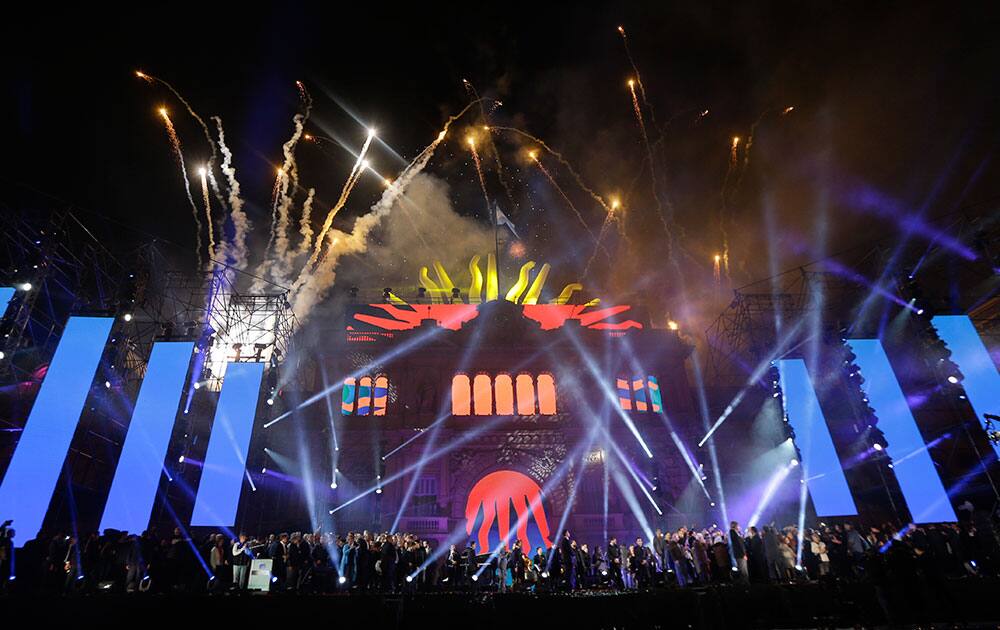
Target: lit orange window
point(525, 395)
point(504, 391)
point(380, 395)
point(546, 395)
point(482, 395)
point(461, 396)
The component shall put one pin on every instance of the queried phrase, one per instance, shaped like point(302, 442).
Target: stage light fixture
point(794, 463)
point(263, 471)
point(180, 460)
point(877, 446)
point(26, 286)
point(953, 379)
point(127, 317)
point(409, 578)
point(475, 578)
point(333, 485)
point(342, 580)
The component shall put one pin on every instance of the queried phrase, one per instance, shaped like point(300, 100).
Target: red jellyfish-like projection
point(494, 493)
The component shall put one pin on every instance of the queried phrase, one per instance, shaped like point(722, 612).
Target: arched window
point(525, 395)
point(380, 396)
point(624, 394)
point(482, 395)
point(504, 391)
point(546, 395)
point(347, 396)
point(654, 394)
point(639, 389)
point(461, 395)
point(364, 396)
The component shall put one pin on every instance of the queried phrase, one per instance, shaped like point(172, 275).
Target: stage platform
point(967, 602)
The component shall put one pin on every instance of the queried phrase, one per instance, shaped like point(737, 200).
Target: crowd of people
point(397, 562)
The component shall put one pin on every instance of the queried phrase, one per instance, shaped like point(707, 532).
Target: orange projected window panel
point(482, 395)
point(503, 388)
point(461, 395)
point(525, 395)
point(380, 395)
point(546, 395)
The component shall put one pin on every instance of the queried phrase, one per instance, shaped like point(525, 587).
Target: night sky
point(895, 115)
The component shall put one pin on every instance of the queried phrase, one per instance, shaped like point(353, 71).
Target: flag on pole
point(503, 219)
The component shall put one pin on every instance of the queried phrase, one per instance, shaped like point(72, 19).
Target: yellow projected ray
point(522, 282)
point(492, 284)
point(476, 284)
point(536, 287)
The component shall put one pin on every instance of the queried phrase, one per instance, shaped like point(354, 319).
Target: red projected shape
point(494, 493)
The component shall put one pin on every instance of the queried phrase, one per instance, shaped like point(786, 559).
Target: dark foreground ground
point(959, 603)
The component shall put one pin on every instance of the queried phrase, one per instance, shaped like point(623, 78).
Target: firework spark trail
point(241, 223)
point(208, 211)
point(723, 219)
point(558, 156)
point(534, 157)
point(175, 143)
point(352, 179)
point(275, 195)
point(313, 284)
point(148, 78)
point(479, 170)
point(652, 168)
point(282, 262)
point(717, 272)
point(749, 145)
point(608, 219)
point(490, 145)
point(635, 69)
point(305, 223)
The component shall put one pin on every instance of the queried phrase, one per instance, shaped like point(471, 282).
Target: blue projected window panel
point(34, 469)
point(133, 490)
point(912, 464)
point(6, 293)
point(982, 380)
point(222, 475)
point(820, 464)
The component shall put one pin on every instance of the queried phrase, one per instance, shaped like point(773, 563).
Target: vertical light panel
point(918, 479)
point(982, 380)
point(222, 476)
point(5, 294)
point(820, 465)
point(133, 489)
point(34, 469)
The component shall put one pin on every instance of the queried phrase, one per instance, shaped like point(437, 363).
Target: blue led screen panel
point(225, 462)
point(38, 459)
point(6, 293)
point(133, 490)
point(982, 380)
point(915, 471)
point(821, 467)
